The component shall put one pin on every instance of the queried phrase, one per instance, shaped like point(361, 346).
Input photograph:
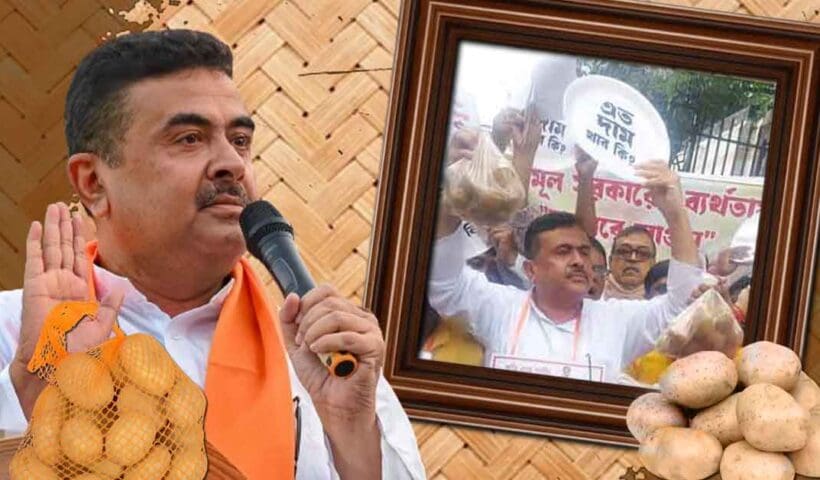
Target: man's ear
point(83, 173)
point(529, 269)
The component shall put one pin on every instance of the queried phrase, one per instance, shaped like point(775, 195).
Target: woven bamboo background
point(318, 146)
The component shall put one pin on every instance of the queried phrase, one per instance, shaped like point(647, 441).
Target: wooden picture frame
point(429, 34)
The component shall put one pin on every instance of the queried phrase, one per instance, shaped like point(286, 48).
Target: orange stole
point(249, 418)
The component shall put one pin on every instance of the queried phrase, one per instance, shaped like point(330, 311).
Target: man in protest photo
point(555, 328)
point(633, 254)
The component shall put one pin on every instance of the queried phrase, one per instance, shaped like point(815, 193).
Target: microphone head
point(258, 219)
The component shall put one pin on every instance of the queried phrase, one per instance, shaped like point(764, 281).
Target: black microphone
point(269, 237)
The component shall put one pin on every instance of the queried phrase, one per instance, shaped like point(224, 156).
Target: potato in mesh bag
point(46, 424)
point(122, 410)
point(130, 438)
point(189, 462)
point(154, 465)
point(25, 465)
point(81, 440)
point(484, 189)
point(146, 364)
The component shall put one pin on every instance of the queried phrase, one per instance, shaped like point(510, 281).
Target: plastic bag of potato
point(484, 189)
point(700, 423)
point(122, 410)
point(707, 324)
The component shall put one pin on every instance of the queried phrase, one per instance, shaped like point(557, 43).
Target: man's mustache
point(207, 195)
point(577, 271)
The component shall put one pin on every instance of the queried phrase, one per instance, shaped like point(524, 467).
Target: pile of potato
point(138, 417)
point(701, 423)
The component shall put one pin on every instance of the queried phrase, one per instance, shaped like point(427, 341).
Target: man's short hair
point(631, 230)
point(545, 223)
point(598, 246)
point(95, 116)
point(658, 271)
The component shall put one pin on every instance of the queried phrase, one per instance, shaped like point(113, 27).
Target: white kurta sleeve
point(10, 311)
point(12, 418)
point(455, 289)
point(400, 452)
point(649, 319)
point(401, 459)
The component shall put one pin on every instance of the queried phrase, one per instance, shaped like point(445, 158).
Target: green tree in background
point(687, 100)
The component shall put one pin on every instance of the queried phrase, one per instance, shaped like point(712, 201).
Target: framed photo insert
point(506, 113)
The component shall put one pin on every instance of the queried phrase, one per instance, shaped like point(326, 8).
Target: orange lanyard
point(524, 314)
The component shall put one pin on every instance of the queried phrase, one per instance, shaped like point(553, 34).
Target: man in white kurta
point(160, 156)
point(552, 328)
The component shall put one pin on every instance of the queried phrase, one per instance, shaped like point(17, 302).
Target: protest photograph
point(597, 218)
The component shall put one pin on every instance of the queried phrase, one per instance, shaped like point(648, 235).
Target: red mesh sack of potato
point(120, 411)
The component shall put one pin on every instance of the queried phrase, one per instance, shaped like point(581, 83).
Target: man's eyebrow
point(198, 120)
point(187, 119)
point(243, 121)
point(573, 245)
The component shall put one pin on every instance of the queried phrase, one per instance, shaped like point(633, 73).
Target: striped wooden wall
point(316, 74)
